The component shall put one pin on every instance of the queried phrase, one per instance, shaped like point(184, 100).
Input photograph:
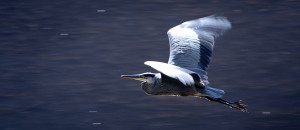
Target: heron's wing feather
point(172, 71)
point(201, 73)
point(192, 42)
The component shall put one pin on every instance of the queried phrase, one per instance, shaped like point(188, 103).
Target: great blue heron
point(191, 45)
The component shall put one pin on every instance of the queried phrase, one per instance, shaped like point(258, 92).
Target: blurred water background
point(61, 61)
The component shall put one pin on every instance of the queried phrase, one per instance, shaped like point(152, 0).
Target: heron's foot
point(239, 105)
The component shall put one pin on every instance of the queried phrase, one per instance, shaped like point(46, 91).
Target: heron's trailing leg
point(237, 105)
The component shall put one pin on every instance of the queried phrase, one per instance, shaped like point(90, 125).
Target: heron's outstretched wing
point(192, 42)
point(183, 75)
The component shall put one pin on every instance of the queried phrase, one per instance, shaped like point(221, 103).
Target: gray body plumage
point(163, 85)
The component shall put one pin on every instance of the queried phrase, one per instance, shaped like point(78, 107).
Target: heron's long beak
point(134, 76)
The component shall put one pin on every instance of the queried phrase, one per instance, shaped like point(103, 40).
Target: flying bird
point(191, 45)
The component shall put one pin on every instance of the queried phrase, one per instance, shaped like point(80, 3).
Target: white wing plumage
point(191, 45)
point(192, 42)
point(172, 71)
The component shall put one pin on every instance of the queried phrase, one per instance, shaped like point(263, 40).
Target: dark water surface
point(61, 61)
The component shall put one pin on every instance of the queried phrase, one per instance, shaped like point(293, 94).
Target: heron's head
point(145, 77)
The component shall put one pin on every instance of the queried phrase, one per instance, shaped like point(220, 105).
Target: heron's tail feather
point(213, 92)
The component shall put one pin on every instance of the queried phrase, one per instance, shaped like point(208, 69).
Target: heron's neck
point(147, 87)
point(150, 84)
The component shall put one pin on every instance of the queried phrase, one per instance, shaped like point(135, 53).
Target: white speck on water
point(46, 28)
point(264, 10)
point(266, 113)
point(93, 111)
point(237, 10)
point(64, 34)
point(97, 123)
point(101, 10)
